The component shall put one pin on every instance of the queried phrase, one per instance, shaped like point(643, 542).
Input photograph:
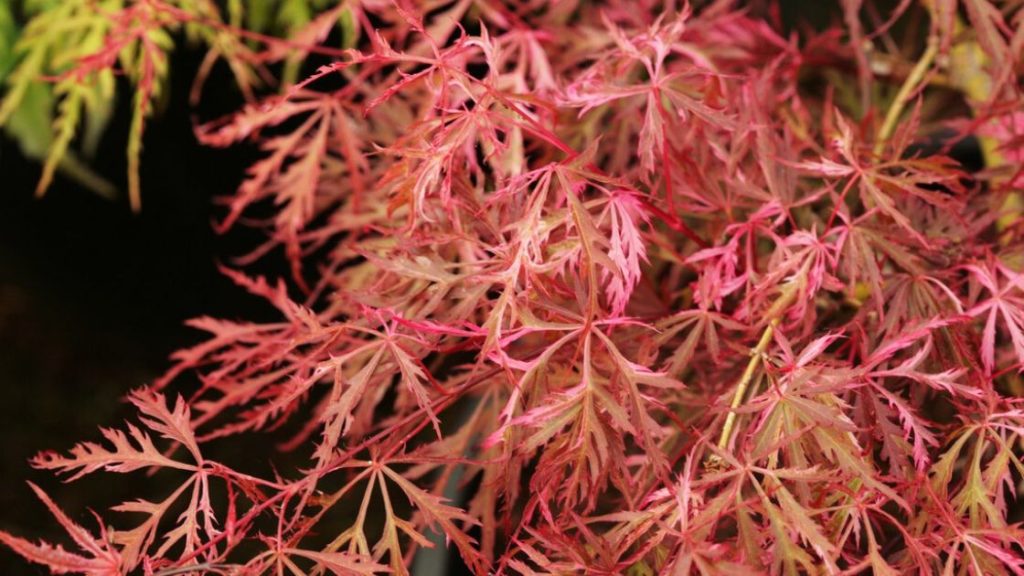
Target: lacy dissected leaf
point(128, 452)
point(99, 558)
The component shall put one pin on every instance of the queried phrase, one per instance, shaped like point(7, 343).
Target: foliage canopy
point(619, 287)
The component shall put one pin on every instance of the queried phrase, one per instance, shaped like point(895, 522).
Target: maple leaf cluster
point(619, 287)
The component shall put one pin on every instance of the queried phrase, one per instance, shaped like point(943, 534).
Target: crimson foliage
point(593, 287)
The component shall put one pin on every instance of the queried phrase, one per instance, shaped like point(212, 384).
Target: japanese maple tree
point(605, 287)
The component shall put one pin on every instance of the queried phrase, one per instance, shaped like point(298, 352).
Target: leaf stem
point(910, 84)
point(789, 293)
point(741, 387)
point(218, 568)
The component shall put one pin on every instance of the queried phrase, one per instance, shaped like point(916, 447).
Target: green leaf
point(8, 37)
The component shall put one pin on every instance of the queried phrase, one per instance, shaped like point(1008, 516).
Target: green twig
point(910, 85)
point(774, 314)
